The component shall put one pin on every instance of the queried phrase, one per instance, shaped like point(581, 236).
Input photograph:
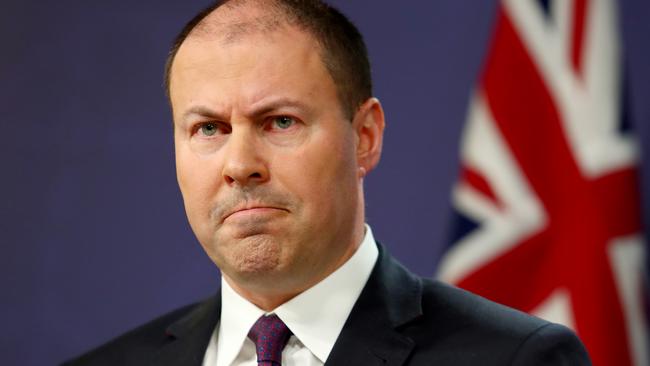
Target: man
point(275, 128)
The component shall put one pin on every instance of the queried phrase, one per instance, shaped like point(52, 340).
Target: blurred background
point(94, 235)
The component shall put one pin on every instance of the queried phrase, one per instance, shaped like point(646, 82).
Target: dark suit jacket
point(399, 319)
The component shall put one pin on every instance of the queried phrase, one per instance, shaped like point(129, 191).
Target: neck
point(265, 301)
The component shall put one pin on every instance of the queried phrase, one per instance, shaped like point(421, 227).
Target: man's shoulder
point(412, 320)
point(139, 345)
point(447, 308)
point(449, 305)
point(463, 326)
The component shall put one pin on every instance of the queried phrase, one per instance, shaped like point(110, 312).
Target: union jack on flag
point(547, 205)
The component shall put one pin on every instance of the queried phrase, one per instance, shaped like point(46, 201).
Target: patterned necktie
point(270, 335)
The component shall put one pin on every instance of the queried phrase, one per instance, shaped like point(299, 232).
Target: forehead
point(213, 68)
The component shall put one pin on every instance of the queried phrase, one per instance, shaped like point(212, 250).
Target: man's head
point(269, 163)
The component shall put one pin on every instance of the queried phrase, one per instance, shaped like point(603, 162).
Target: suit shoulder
point(551, 344)
point(472, 309)
point(132, 347)
point(468, 328)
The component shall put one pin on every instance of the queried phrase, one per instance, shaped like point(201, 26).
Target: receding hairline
point(237, 18)
point(339, 43)
point(233, 20)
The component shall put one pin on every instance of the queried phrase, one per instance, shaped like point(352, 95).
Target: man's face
point(266, 161)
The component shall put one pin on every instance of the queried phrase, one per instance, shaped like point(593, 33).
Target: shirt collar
point(316, 316)
point(237, 317)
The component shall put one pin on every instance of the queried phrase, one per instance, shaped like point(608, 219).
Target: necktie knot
point(270, 335)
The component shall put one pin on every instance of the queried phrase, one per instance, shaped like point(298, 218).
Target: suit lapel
point(189, 336)
point(391, 298)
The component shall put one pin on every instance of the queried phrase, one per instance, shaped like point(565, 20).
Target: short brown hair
point(344, 52)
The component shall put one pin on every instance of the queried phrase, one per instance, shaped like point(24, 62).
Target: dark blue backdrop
point(94, 237)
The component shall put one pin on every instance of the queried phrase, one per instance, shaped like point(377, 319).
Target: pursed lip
point(250, 208)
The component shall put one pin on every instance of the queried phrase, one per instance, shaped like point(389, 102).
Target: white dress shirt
point(315, 317)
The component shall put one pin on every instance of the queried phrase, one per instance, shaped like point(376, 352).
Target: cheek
point(336, 161)
point(325, 172)
point(197, 180)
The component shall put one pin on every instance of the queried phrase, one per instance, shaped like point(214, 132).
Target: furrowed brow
point(272, 105)
point(202, 111)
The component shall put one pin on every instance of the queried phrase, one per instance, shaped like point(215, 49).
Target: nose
point(244, 162)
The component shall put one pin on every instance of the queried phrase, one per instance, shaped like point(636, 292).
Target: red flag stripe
point(475, 180)
point(580, 8)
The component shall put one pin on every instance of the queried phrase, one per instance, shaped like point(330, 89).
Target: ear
point(369, 125)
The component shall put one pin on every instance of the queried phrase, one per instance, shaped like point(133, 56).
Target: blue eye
point(283, 122)
point(208, 129)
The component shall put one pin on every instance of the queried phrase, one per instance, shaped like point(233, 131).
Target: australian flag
point(547, 204)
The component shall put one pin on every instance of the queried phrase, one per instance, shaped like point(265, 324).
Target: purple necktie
point(270, 335)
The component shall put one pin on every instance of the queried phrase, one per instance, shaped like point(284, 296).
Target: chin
point(248, 257)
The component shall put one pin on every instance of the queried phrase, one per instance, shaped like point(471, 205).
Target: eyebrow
point(202, 111)
point(257, 109)
point(271, 104)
